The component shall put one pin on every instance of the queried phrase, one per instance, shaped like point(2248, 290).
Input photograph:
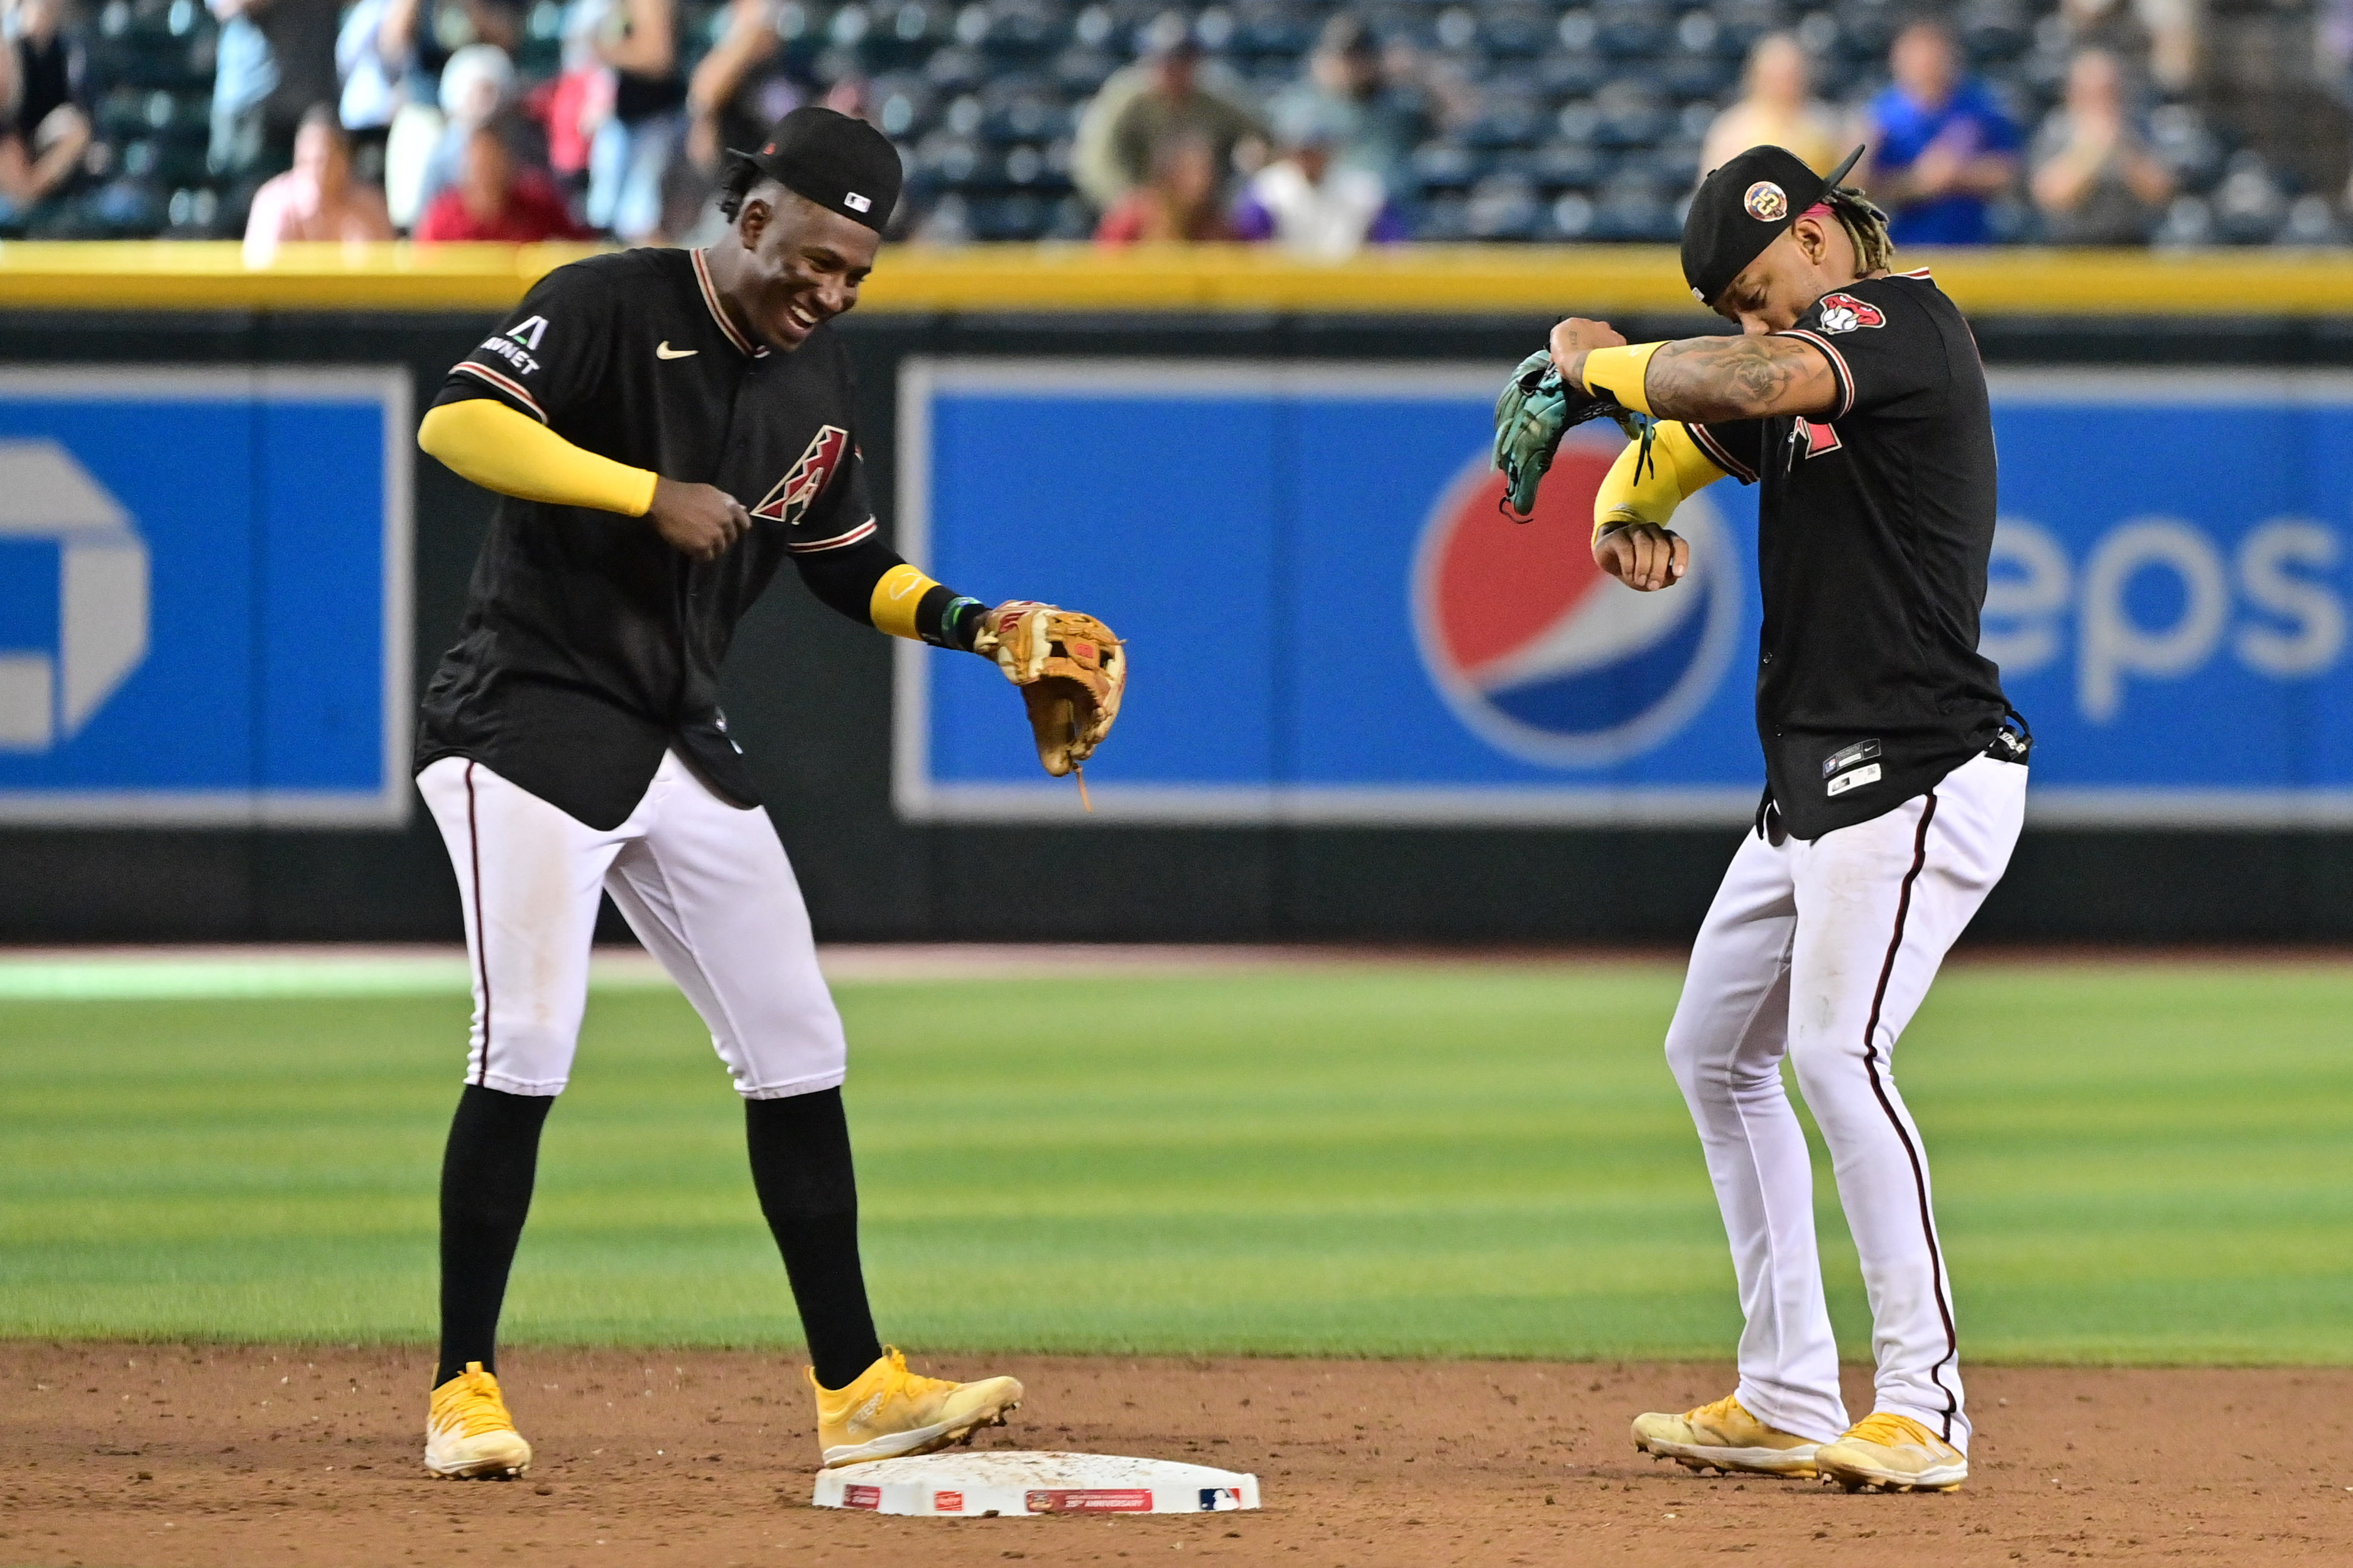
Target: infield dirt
point(160, 1457)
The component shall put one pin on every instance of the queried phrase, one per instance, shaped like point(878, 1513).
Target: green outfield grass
point(2139, 1162)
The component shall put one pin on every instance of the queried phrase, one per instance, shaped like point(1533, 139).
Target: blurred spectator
point(1376, 119)
point(317, 199)
point(45, 133)
point(633, 147)
point(275, 62)
point(428, 146)
point(2096, 181)
point(1177, 205)
point(2166, 34)
point(1309, 203)
point(495, 198)
point(1776, 109)
point(735, 96)
point(1940, 146)
point(389, 56)
point(1144, 107)
point(579, 99)
point(374, 53)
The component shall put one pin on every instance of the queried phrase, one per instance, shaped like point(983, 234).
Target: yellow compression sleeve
point(1677, 470)
point(895, 599)
point(1619, 373)
point(501, 449)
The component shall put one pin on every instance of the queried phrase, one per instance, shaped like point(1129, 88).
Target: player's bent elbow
point(433, 433)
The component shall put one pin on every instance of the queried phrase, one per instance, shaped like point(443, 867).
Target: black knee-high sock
point(800, 1166)
point(486, 1178)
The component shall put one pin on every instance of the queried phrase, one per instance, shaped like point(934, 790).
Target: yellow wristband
point(1619, 373)
point(895, 598)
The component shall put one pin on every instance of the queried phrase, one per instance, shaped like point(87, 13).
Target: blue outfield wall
point(204, 604)
point(1365, 706)
point(1331, 624)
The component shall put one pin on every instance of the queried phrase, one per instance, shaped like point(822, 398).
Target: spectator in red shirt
point(494, 199)
point(1178, 205)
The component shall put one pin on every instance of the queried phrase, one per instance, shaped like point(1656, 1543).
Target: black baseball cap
point(835, 161)
point(1744, 206)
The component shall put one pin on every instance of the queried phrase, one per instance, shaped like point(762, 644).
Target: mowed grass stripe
point(2134, 1164)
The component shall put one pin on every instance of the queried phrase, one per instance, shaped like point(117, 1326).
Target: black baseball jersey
point(589, 645)
point(1874, 530)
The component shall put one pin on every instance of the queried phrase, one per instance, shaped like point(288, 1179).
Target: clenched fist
point(1643, 556)
point(1576, 337)
point(699, 521)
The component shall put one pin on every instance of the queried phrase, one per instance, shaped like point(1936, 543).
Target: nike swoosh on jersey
point(665, 352)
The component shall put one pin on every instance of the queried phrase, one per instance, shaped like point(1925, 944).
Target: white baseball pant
point(704, 884)
point(1823, 950)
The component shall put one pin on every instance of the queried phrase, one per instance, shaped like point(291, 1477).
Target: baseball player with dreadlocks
point(572, 744)
point(1895, 787)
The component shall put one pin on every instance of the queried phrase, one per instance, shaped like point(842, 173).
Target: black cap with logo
point(838, 162)
point(1744, 206)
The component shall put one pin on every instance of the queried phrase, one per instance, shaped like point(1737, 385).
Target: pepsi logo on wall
point(1541, 653)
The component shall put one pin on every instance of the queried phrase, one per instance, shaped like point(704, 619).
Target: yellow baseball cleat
point(1893, 1452)
point(890, 1412)
point(469, 1436)
point(1726, 1436)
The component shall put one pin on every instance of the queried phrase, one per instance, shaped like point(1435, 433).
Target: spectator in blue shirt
point(1941, 147)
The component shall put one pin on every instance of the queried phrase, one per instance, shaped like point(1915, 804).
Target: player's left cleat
point(890, 1413)
point(469, 1436)
point(1725, 1437)
point(1894, 1453)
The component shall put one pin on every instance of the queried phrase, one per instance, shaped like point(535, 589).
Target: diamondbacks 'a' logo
point(1844, 313)
point(789, 502)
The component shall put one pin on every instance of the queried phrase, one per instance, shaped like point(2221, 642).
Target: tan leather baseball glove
point(1072, 669)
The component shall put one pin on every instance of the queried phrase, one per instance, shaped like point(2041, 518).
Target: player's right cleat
point(1726, 1436)
point(888, 1411)
point(1894, 1453)
point(469, 1436)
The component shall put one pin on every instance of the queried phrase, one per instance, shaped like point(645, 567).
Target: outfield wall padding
point(810, 696)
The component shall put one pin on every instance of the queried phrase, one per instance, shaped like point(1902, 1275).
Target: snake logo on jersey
point(1538, 650)
point(789, 502)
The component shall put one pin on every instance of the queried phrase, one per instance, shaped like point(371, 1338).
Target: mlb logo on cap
point(857, 203)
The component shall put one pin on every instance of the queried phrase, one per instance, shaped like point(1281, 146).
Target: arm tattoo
point(1737, 378)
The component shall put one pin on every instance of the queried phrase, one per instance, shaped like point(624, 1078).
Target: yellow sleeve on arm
point(513, 454)
point(896, 598)
point(1619, 373)
point(1677, 470)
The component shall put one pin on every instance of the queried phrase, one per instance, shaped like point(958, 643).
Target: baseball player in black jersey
point(1895, 787)
point(666, 429)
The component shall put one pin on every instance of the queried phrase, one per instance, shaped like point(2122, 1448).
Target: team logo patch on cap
point(1844, 313)
point(1766, 202)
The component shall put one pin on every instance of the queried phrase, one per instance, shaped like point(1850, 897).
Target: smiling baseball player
point(572, 744)
point(1895, 789)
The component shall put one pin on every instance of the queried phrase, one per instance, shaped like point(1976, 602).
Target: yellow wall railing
point(1419, 280)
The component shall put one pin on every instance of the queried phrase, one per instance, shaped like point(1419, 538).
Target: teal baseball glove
point(1537, 408)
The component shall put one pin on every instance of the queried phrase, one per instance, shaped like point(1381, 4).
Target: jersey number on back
point(789, 502)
